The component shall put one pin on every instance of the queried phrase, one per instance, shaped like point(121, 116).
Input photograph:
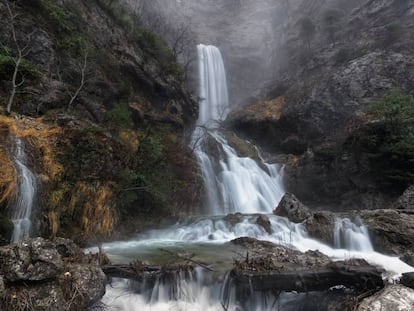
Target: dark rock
point(264, 222)
point(391, 231)
point(292, 208)
point(407, 279)
point(233, 219)
point(282, 257)
point(321, 226)
point(406, 200)
point(392, 297)
point(32, 273)
point(31, 260)
point(89, 282)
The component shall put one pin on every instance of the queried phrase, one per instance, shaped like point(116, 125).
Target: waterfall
point(213, 94)
point(233, 183)
point(352, 236)
point(22, 209)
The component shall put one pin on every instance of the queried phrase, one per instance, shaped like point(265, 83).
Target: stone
point(233, 219)
point(406, 200)
point(33, 273)
point(407, 279)
point(264, 222)
point(292, 208)
point(392, 297)
point(32, 260)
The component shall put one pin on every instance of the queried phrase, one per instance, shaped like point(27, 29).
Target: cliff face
point(325, 92)
point(104, 112)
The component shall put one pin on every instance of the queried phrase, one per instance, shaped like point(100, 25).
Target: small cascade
point(351, 236)
point(21, 211)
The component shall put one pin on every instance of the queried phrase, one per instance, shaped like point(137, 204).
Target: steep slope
point(325, 92)
point(108, 117)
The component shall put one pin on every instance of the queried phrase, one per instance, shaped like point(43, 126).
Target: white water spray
point(22, 208)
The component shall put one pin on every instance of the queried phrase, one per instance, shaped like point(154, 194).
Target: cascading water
point(352, 236)
point(233, 184)
point(21, 211)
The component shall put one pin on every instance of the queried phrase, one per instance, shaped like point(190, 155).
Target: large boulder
point(393, 297)
point(292, 208)
point(39, 274)
point(32, 260)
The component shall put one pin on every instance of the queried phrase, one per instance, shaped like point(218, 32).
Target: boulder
point(406, 200)
point(407, 279)
point(264, 222)
point(31, 260)
point(292, 208)
point(233, 219)
point(392, 297)
point(39, 274)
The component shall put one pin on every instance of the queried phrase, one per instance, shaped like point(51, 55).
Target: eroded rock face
point(393, 297)
point(39, 274)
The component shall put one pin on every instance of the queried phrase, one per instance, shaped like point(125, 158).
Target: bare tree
point(82, 71)
point(21, 53)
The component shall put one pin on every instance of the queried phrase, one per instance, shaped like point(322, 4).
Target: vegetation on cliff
point(105, 113)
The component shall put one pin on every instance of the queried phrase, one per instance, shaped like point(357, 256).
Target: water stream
point(233, 184)
point(21, 211)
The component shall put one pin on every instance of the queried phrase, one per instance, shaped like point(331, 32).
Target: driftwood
point(140, 272)
point(335, 274)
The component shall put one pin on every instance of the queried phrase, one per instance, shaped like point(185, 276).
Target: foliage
point(120, 116)
point(28, 69)
point(388, 143)
point(397, 112)
point(57, 16)
point(153, 45)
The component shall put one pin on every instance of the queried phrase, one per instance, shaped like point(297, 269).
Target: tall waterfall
point(22, 209)
point(214, 98)
point(233, 183)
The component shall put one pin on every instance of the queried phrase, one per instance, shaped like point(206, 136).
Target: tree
point(307, 31)
point(397, 112)
point(21, 51)
point(332, 21)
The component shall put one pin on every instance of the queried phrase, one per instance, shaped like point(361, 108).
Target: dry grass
point(97, 205)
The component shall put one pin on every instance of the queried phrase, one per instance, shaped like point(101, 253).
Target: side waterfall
point(21, 211)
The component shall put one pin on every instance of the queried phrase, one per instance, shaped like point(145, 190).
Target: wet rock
point(393, 297)
point(233, 219)
point(407, 279)
point(406, 200)
point(39, 274)
point(391, 231)
point(282, 257)
point(321, 226)
point(292, 208)
point(264, 222)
